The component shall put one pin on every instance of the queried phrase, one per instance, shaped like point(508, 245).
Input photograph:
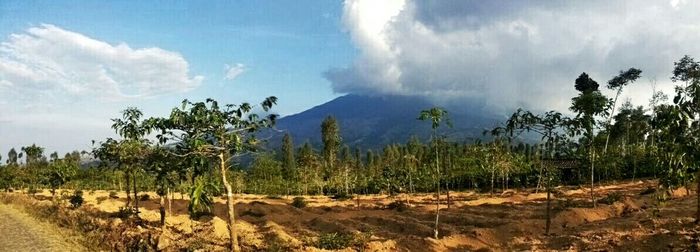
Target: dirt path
point(21, 232)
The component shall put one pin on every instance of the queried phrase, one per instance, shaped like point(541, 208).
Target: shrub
point(77, 199)
point(334, 241)
point(299, 202)
point(124, 212)
point(398, 206)
point(144, 197)
point(611, 198)
point(341, 196)
point(113, 195)
point(32, 190)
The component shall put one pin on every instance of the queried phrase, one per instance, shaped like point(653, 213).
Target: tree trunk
point(447, 187)
point(548, 223)
point(162, 211)
point(170, 202)
point(592, 175)
point(136, 195)
point(493, 177)
point(229, 203)
point(612, 113)
point(437, 204)
point(539, 181)
point(697, 215)
point(128, 189)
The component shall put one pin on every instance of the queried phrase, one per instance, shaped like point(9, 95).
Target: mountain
point(375, 121)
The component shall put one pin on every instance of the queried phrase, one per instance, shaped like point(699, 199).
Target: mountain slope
point(372, 122)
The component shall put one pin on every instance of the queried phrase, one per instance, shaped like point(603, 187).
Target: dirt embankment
point(510, 221)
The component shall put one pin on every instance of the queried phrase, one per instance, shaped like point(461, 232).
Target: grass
point(398, 205)
point(336, 241)
point(299, 202)
point(611, 198)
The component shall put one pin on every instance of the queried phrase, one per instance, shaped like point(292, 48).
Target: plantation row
point(199, 148)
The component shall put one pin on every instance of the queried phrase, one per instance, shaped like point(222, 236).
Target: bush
point(342, 196)
point(299, 202)
point(77, 199)
point(335, 241)
point(144, 197)
point(611, 198)
point(113, 195)
point(32, 190)
point(124, 212)
point(398, 206)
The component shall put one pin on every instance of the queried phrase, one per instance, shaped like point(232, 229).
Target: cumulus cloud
point(59, 88)
point(232, 72)
point(509, 54)
point(49, 61)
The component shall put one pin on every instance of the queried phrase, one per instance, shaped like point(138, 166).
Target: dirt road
point(21, 232)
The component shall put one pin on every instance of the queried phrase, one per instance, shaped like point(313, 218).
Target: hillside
point(374, 121)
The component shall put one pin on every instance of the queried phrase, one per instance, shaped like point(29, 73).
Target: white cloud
point(50, 61)
point(515, 53)
point(232, 72)
point(59, 88)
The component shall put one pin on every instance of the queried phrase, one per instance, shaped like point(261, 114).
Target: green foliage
point(299, 202)
point(611, 198)
point(334, 241)
point(125, 212)
point(76, 200)
point(342, 196)
point(398, 205)
point(144, 197)
point(32, 190)
point(201, 194)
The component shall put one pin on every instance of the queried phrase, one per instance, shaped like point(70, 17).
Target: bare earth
point(20, 232)
point(514, 220)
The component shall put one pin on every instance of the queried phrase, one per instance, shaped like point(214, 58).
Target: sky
point(67, 67)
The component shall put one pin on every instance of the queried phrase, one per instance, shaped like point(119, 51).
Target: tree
point(589, 104)
point(330, 135)
point(133, 149)
point(12, 157)
point(619, 82)
point(33, 153)
point(217, 132)
point(549, 127)
point(687, 99)
point(289, 162)
point(161, 165)
point(59, 172)
point(436, 116)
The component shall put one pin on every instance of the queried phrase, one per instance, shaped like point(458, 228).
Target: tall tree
point(289, 162)
point(133, 148)
point(618, 83)
point(436, 116)
point(687, 71)
point(33, 154)
point(589, 104)
point(12, 157)
point(220, 133)
point(330, 135)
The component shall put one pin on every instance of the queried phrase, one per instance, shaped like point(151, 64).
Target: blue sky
point(281, 49)
point(284, 45)
point(67, 67)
